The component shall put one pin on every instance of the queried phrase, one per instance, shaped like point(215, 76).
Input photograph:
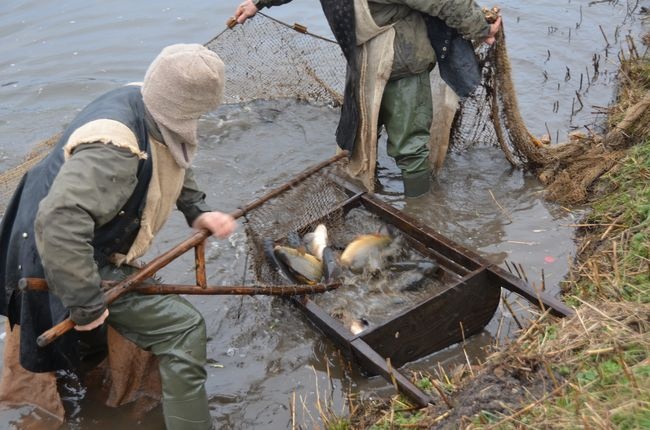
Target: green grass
point(624, 268)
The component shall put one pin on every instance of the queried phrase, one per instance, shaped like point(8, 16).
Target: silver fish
point(275, 262)
point(331, 267)
point(306, 268)
point(412, 275)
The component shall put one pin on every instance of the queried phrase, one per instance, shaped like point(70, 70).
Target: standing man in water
point(89, 209)
point(390, 47)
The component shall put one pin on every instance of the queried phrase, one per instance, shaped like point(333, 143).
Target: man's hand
point(219, 224)
point(494, 29)
point(94, 324)
point(244, 11)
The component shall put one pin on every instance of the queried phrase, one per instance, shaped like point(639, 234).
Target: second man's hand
point(244, 11)
point(494, 29)
point(219, 224)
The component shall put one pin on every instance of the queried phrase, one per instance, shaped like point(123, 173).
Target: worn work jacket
point(81, 206)
point(392, 39)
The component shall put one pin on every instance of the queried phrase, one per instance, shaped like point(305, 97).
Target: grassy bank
point(589, 371)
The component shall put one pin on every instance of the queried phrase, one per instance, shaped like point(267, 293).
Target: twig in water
point(579, 101)
point(605, 37)
point(573, 104)
point(579, 23)
point(508, 267)
point(519, 275)
point(499, 205)
point(514, 317)
point(580, 88)
point(523, 272)
point(548, 132)
point(596, 63)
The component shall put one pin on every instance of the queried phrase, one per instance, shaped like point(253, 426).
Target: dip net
point(268, 59)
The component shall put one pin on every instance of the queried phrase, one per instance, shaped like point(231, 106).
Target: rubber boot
point(188, 413)
point(417, 185)
point(406, 111)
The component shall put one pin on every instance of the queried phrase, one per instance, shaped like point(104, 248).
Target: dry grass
point(590, 371)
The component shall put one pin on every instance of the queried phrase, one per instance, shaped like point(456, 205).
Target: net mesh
point(281, 61)
point(315, 200)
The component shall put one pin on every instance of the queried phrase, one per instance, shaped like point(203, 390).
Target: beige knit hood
point(183, 82)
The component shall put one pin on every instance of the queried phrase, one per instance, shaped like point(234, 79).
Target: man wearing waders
point(390, 47)
point(93, 205)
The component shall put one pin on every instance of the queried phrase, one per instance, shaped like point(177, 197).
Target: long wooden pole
point(161, 261)
point(40, 284)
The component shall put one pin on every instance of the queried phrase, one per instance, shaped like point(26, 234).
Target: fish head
point(316, 241)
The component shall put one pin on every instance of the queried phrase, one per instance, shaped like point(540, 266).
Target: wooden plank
point(506, 280)
point(436, 323)
point(374, 363)
point(330, 326)
point(356, 349)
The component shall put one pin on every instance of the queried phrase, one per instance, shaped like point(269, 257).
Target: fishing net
point(321, 196)
point(268, 59)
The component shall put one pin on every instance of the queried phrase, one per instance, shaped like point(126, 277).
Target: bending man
point(89, 209)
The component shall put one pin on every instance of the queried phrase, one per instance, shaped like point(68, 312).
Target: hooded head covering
point(182, 83)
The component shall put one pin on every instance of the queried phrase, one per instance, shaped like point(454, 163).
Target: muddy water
point(57, 56)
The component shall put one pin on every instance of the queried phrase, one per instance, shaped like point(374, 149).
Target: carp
point(365, 251)
point(281, 268)
point(304, 267)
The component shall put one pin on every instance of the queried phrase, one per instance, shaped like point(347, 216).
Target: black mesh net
point(268, 59)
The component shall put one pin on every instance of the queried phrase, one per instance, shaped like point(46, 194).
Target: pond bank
point(589, 371)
